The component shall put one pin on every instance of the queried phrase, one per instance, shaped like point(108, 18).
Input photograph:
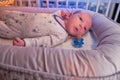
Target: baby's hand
point(65, 15)
point(18, 42)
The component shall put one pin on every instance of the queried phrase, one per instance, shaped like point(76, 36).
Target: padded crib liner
point(41, 63)
point(14, 73)
point(11, 72)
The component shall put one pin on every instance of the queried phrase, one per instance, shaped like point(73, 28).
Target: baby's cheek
point(81, 33)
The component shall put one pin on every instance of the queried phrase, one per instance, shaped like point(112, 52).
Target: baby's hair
point(77, 12)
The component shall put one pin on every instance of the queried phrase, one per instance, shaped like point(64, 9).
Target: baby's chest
point(44, 24)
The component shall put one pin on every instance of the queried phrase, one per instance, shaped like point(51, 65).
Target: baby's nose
point(81, 25)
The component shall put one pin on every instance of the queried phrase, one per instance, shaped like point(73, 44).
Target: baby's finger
point(15, 42)
point(18, 39)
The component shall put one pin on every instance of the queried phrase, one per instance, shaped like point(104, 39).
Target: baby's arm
point(45, 41)
point(18, 42)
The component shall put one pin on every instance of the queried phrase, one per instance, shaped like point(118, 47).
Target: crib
point(98, 59)
point(87, 3)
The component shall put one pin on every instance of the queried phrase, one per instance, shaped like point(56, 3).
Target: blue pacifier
point(78, 42)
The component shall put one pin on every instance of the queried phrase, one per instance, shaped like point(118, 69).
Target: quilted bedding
point(44, 63)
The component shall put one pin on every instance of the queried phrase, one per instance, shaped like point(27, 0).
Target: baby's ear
point(66, 15)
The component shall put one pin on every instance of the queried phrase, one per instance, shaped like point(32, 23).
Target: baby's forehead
point(83, 15)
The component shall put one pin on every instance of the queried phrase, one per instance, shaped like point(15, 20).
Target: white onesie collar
point(58, 21)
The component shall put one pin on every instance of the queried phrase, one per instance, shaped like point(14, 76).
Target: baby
point(78, 23)
point(75, 24)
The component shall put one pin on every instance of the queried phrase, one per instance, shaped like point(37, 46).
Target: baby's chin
point(71, 33)
point(74, 35)
point(78, 36)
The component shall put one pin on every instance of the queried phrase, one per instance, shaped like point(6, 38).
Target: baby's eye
point(85, 28)
point(81, 19)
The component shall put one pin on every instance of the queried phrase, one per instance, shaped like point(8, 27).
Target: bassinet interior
point(100, 62)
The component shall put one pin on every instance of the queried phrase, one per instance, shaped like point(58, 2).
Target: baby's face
point(78, 24)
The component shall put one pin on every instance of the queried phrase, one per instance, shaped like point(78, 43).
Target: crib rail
point(108, 10)
point(118, 11)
